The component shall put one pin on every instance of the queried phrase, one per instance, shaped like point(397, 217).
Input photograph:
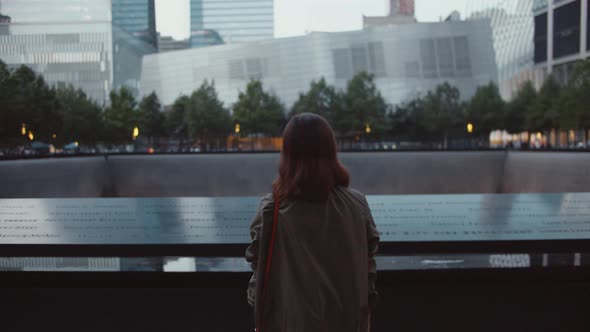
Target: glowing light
point(470, 128)
point(368, 129)
point(539, 136)
point(54, 136)
point(23, 129)
point(76, 144)
point(31, 136)
point(237, 129)
point(135, 133)
point(151, 150)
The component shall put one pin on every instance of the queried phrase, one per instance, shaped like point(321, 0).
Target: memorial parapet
point(516, 223)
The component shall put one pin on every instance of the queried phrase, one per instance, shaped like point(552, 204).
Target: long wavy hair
point(309, 168)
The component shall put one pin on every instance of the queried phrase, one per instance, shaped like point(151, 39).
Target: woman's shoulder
point(352, 194)
point(266, 202)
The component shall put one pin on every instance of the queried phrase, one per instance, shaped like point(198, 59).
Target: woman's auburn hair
point(309, 168)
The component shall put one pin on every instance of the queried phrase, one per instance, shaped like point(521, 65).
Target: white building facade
point(69, 42)
point(512, 24)
point(406, 60)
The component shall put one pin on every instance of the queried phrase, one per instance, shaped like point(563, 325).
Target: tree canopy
point(207, 120)
point(486, 110)
point(259, 112)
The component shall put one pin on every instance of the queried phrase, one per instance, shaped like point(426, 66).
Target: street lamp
point(31, 136)
point(135, 133)
point(470, 128)
point(23, 129)
point(237, 129)
point(368, 129)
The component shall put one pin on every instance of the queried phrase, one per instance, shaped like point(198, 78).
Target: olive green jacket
point(323, 269)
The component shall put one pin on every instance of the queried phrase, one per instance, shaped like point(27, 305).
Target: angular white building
point(406, 60)
point(512, 24)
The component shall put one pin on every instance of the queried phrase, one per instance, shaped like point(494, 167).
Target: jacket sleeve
point(373, 245)
point(252, 255)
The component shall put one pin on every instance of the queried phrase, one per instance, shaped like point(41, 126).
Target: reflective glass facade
point(236, 21)
point(77, 54)
point(406, 60)
point(71, 49)
point(512, 23)
point(561, 38)
point(32, 11)
point(138, 17)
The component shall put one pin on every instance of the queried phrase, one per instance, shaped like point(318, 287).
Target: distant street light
point(31, 136)
point(368, 129)
point(23, 130)
point(470, 128)
point(135, 133)
point(237, 129)
point(54, 136)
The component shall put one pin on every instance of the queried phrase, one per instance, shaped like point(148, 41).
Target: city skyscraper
point(72, 42)
point(137, 17)
point(235, 21)
point(512, 26)
point(33, 11)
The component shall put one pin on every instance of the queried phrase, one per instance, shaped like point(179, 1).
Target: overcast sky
point(295, 17)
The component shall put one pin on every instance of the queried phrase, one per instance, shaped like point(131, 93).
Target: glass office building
point(405, 59)
point(512, 24)
point(34, 11)
point(236, 21)
point(71, 42)
point(137, 17)
point(562, 37)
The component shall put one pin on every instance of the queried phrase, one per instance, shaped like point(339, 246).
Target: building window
point(377, 59)
point(444, 51)
point(428, 56)
point(462, 56)
point(540, 38)
point(359, 60)
point(342, 63)
point(566, 30)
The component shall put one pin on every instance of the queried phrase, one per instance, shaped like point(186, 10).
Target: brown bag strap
point(268, 265)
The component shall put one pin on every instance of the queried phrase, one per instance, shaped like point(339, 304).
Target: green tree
point(544, 113)
point(259, 112)
point(176, 121)
point(486, 110)
point(519, 107)
point(442, 112)
point(363, 106)
point(407, 121)
point(9, 126)
point(81, 118)
point(121, 117)
point(151, 118)
point(208, 121)
point(321, 99)
point(575, 100)
point(32, 103)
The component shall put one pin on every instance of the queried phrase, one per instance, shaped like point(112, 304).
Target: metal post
point(550, 13)
point(584, 27)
